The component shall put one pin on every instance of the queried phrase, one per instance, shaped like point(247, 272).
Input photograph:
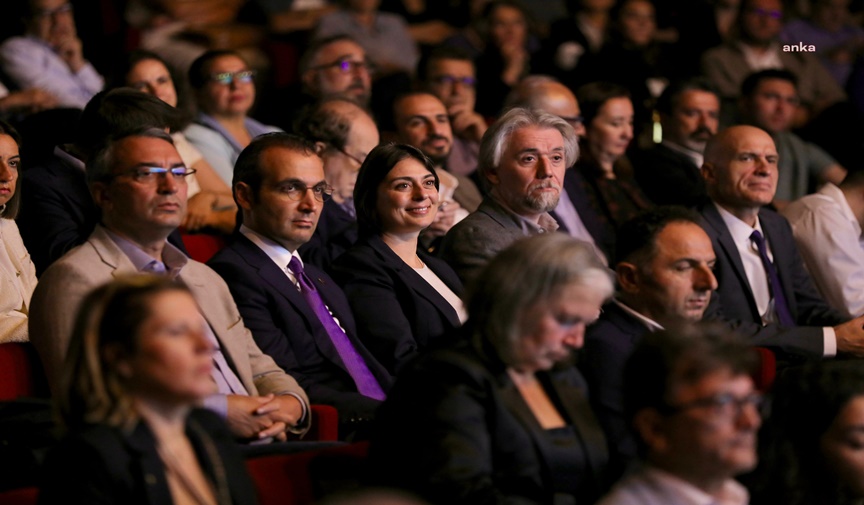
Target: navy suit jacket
point(668, 177)
point(603, 235)
point(734, 302)
point(399, 314)
point(335, 233)
point(286, 328)
point(608, 344)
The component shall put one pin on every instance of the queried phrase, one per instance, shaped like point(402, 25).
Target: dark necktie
point(366, 383)
point(781, 308)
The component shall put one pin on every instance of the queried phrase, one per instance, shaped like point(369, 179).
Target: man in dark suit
point(669, 172)
point(664, 268)
point(343, 134)
point(765, 291)
point(296, 313)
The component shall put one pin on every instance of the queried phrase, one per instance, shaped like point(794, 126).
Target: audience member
point(765, 291)
point(337, 67)
point(343, 134)
point(828, 229)
point(212, 206)
point(523, 157)
point(690, 398)
point(27, 101)
point(449, 73)
point(574, 212)
point(404, 299)
point(17, 273)
point(139, 363)
point(138, 183)
point(669, 172)
point(49, 56)
point(768, 101)
point(59, 213)
point(575, 40)
point(664, 268)
point(296, 313)
point(383, 35)
point(757, 47)
point(224, 89)
point(808, 447)
point(492, 419)
point(606, 172)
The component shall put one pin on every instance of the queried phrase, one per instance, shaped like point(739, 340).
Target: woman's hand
point(198, 210)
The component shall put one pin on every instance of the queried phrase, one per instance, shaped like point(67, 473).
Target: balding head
point(740, 170)
point(546, 94)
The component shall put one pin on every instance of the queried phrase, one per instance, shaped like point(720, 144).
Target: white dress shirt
point(652, 486)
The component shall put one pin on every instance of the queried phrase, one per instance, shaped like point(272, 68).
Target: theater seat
point(22, 496)
point(20, 372)
point(325, 424)
point(202, 246)
point(763, 377)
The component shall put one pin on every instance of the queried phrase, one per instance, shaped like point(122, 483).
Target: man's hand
point(466, 123)
point(850, 337)
point(257, 417)
point(29, 100)
point(198, 210)
point(69, 50)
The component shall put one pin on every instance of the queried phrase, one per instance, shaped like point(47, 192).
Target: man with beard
point(769, 100)
point(337, 67)
point(422, 121)
point(669, 172)
point(523, 156)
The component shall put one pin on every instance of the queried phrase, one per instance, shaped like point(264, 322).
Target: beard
point(544, 201)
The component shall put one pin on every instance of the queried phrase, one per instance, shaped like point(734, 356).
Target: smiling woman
point(385, 273)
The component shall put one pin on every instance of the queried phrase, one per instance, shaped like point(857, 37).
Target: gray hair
point(529, 271)
point(100, 166)
point(496, 137)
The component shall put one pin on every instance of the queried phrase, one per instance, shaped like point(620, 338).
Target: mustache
point(702, 131)
point(434, 137)
point(544, 185)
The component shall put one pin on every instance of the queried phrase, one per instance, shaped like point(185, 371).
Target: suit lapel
point(773, 233)
point(730, 250)
point(572, 399)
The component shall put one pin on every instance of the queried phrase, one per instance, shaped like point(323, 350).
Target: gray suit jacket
point(64, 285)
point(475, 240)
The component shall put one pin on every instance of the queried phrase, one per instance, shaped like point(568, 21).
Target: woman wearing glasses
point(403, 299)
point(224, 91)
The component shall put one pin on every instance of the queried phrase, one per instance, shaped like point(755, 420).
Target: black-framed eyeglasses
point(724, 404)
point(47, 13)
point(346, 66)
point(149, 175)
point(297, 191)
point(349, 155)
point(450, 80)
point(226, 78)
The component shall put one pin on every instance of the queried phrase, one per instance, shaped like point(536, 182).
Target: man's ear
point(244, 195)
point(491, 175)
point(649, 426)
point(100, 194)
point(628, 277)
point(708, 172)
point(320, 147)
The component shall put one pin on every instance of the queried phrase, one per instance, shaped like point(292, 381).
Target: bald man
point(764, 290)
point(574, 212)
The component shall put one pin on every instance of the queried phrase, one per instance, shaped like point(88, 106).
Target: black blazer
point(603, 235)
point(668, 177)
point(734, 302)
point(456, 430)
point(398, 313)
point(608, 344)
point(335, 233)
point(105, 465)
point(287, 329)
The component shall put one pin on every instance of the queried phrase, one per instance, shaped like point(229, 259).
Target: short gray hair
point(496, 137)
point(529, 271)
point(100, 166)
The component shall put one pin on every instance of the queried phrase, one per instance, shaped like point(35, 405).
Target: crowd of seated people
point(526, 260)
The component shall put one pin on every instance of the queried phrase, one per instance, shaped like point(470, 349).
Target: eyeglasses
point(573, 120)
point(766, 13)
point(468, 82)
point(721, 405)
point(346, 66)
point(226, 78)
point(346, 153)
point(47, 13)
point(297, 191)
point(149, 175)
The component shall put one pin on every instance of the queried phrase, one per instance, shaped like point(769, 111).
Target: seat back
point(20, 372)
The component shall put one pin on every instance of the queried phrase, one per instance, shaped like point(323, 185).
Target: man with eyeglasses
point(49, 56)
point(768, 100)
point(297, 313)
point(449, 73)
point(337, 67)
point(758, 47)
point(343, 134)
point(139, 183)
point(692, 404)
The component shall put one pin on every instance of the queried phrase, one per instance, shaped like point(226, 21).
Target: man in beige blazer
point(138, 182)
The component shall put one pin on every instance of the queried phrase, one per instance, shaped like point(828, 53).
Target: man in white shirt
point(692, 404)
point(827, 228)
point(764, 290)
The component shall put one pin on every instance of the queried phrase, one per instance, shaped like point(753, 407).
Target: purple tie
point(366, 383)
point(781, 308)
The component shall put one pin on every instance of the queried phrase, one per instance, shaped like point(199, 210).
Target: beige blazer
point(17, 282)
point(65, 283)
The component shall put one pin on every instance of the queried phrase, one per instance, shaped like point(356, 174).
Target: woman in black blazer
point(138, 363)
point(403, 299)
point(500, 416)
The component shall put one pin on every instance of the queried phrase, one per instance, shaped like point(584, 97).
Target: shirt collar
point(695, 156)
point(739, 230)
point(732, 493)
point(277, 252)
point(649, 323)
point(173, 259)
